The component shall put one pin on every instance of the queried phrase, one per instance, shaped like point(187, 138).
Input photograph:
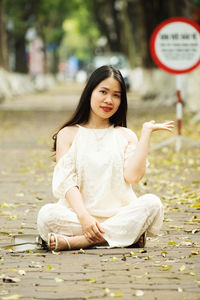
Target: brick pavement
point(162, 271)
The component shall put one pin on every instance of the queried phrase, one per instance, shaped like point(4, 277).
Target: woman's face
point(106, 98)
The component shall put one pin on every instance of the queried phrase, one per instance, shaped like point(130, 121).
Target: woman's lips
point(106, 109)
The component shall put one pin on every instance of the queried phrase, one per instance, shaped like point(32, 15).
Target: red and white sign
point(175, 45)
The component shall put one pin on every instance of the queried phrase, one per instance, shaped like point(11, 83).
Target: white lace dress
point(95, 164)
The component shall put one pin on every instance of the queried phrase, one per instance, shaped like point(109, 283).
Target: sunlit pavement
point(169, 266)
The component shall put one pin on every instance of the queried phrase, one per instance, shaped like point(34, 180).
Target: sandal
point(56, 241)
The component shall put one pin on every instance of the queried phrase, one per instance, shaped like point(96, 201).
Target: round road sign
point(175, 45)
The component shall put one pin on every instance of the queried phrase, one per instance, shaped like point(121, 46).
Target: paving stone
point(25, 184)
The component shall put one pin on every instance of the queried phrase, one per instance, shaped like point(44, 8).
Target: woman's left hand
point(153, 126)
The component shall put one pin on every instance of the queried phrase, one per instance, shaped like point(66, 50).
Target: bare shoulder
point(128, 134)
point(67, 133)
point(65, 139)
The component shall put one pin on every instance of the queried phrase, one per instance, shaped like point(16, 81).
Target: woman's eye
point(103, 92)
point(116, 95)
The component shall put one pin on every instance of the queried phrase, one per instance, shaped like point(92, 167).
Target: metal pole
point(179, 119)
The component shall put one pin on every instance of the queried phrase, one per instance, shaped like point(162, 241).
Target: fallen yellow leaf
point(166, 267)
point(182, 268)
point(82, 251)
point(164, 253)
point(133, 254)
point(119, 294)
point(192, 273)
point(48, 267)
point(139, 293)
point(12, 297)
point(58, 279)
point(171, 243)
point(114, 258)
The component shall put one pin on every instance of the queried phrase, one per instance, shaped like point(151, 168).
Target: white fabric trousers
point(143, 214)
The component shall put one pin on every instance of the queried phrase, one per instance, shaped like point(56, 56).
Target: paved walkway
point(169, 266)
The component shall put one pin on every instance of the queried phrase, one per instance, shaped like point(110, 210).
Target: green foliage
point(19, 15)
point(81, 34)
point(48, 18)
point(91, 19)
point(196, 3)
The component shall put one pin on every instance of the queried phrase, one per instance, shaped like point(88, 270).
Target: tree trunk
point(55, 61)
point(128, 40)
point(21, 65)
point(4, 62)
point(151, 15)
point(105, 16)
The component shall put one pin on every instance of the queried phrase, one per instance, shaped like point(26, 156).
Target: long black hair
point(82, 112)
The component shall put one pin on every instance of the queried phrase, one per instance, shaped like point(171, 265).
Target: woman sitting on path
point(98, 160)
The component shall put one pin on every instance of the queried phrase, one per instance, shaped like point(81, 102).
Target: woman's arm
point(91, 227)
point(136, 165)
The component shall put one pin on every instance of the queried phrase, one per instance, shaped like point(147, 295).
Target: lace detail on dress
point(98, 174)
point(64, 176)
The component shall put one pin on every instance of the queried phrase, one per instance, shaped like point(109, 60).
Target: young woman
point(98, 160)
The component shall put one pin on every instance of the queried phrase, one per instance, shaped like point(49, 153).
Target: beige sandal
point(56, 241)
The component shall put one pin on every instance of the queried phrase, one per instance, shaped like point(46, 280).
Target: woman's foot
point(140, 243)
point(58, 242)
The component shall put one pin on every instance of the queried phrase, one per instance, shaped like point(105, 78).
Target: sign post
point(175, 48)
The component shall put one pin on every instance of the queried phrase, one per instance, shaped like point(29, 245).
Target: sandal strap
point(56, 240)
point(67, 241)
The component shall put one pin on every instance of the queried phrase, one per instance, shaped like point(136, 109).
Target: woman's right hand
point(153, 126)
point(92, 229)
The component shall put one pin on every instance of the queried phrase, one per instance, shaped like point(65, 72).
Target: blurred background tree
point(84, 28)
point(45, 16)
point(4, 59)
point(19, 16)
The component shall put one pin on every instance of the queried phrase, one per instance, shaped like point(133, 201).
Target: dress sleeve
point(64, 176)
point(129, 151)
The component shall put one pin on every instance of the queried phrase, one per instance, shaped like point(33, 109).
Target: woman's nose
point(108, 99)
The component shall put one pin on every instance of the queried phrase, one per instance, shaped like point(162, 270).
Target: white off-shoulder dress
point(95, 163)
